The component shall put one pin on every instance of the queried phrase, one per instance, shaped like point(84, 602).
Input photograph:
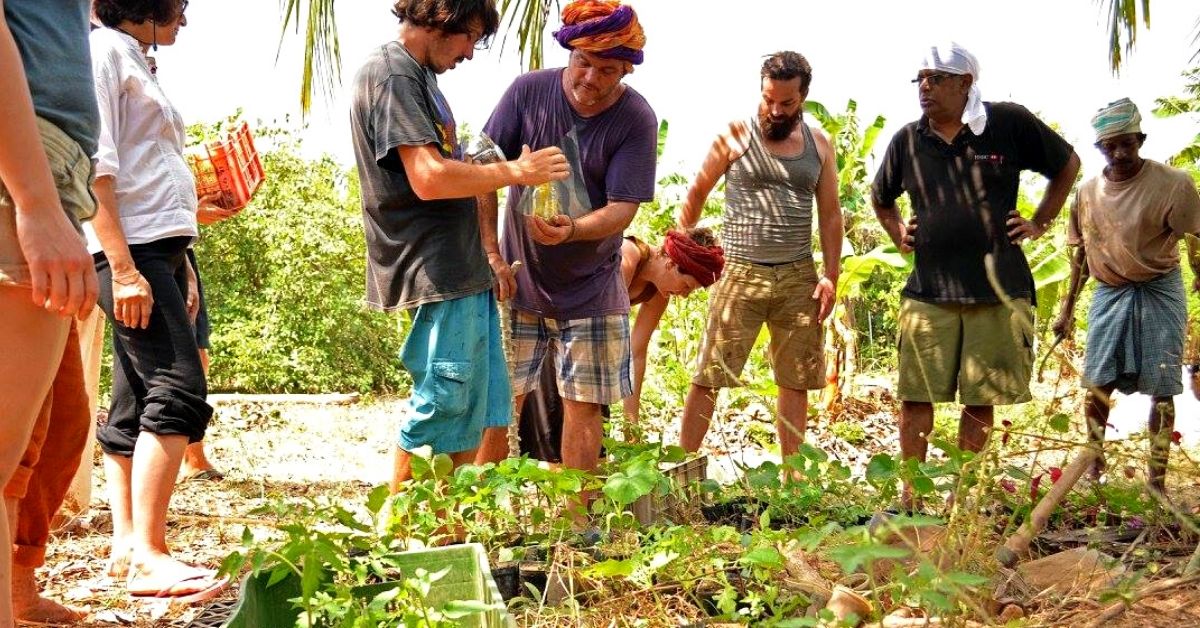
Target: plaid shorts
point(592, 355)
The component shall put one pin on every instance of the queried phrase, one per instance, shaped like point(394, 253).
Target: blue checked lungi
point(1135, 336)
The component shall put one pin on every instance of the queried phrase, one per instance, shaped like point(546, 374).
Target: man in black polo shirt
point(961, 330)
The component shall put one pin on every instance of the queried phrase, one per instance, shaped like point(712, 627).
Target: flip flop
point(207, 475)
point(193, 595)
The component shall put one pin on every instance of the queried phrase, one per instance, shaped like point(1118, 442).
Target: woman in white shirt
point(140, 236)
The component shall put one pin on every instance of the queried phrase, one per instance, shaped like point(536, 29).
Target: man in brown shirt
point(1126, 225)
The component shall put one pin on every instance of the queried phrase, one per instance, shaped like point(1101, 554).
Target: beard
point(777, 129)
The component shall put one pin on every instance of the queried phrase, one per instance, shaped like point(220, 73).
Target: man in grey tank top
point(774, 167)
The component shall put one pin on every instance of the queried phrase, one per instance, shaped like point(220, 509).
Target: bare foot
point(30, 606)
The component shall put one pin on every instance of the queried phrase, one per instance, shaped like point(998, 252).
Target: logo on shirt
point(446, 127)
point(993, 158)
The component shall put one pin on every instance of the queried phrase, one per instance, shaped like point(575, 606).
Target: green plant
point(284, 284)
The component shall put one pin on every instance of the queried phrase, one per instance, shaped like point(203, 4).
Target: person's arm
point(612, 219)
point(488, 211)
point(715, 165)
point(648, 316)
point(1020, 228)
point(62, 276)
point(830, 224)
point(132, 297)
point(435, 177)
point(1065, 325)
point(1193, 258)
point(887, 187)
point(903, 236)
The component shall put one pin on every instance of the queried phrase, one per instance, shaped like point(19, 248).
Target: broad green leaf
point(763, 557)
point(376, 498)
point(443, 466)
point(881, 469)
point(851, 557)
point(625, 489)
point(964, 579)
point(611, 569)
point(1060, 423)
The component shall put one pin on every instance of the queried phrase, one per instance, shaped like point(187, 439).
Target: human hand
point(506, 281)
point(825, 293)
point(908, 236)
point(557, 230)
point(208, 212)
point(132, 300)
point(1063, 326)
point(1021, 228)
point(193, 295)
point(62, 274)
point(540, 166)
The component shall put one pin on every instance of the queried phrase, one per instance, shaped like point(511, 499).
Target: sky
point(703, 59)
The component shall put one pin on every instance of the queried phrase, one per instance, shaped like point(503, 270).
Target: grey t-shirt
point(418, 251)
point(52, 38)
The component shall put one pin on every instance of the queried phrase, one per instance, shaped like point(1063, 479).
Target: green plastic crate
point(469, 578)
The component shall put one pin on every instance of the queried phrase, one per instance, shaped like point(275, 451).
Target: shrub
point(284, 285)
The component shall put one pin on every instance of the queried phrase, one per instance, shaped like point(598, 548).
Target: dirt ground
point(292, 451)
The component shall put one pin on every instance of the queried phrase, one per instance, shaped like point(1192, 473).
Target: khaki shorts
point(72, 170)
point(984, 352)
point(746, 297)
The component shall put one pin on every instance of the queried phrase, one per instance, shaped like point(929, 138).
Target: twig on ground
point(1115, 610)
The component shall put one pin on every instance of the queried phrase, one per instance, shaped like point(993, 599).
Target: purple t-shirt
point(618, 149)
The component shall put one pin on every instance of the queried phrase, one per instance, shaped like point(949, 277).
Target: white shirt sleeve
point(106, 72)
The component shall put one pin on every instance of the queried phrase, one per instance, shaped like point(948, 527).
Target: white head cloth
point(952, 58)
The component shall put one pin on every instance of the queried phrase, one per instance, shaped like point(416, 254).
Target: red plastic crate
point(229, 167)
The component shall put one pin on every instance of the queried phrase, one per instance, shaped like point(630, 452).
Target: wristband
point(572, 233)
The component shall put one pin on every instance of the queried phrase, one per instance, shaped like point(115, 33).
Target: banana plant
point(853, 145)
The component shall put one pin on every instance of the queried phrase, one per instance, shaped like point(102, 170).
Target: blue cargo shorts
point(460, 379)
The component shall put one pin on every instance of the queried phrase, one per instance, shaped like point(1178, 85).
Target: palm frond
point(530, 18)
point(322, 64)
point(1123, 24)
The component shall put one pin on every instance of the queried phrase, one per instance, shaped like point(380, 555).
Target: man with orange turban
point(570, 295)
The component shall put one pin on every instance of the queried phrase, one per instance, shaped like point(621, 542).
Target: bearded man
point(774, 167)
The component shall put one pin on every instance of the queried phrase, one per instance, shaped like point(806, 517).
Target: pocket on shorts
point(72, 172)
point(451, 386)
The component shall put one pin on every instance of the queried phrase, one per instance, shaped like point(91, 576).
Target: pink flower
point(1007, 426)
point(1176, 437)
point(1055, 473)
point(1033, 486)
point(1008, 485)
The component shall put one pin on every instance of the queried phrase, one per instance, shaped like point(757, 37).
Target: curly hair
point(701, 235)
point(113, 12)
point(787, 65)
point(449, 16)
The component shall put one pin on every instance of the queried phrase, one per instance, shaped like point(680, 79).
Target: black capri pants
point(158, 384)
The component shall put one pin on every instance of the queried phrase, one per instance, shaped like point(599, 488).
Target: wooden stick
point(514, 427)
point(1115, 610)
point(1017, 545)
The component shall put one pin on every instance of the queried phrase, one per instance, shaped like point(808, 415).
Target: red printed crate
point(229, 167)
